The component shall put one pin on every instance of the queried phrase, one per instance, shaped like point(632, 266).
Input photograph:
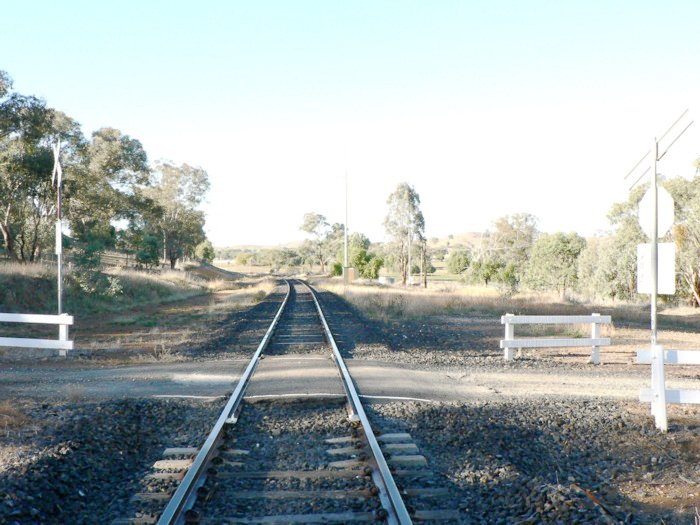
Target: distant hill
point(230, 252)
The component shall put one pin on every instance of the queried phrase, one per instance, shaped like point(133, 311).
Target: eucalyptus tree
point(405, 224)
point(205, 251)
point(608, 266)
point(686, 234)
point(458, 261)
point(356, 241)
point(317, 226)
point(553, 262)
point(178, 191)
point(104, 191)
point(28, 130)
point(504, 250)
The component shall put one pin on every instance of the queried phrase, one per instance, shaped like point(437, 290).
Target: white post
point(595, 334)
point(510, 335)
point(63, 336)
point(652, 406)
point(654, 244)
point(658, 387)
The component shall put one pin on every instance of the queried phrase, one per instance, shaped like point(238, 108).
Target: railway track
point(266, 461)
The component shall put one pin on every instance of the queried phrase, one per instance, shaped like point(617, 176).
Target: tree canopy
point(405, 224)
point(111, 196)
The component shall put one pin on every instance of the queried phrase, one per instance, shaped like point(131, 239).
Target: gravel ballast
point(80, 462)
point(284, 437)
point(563, 461)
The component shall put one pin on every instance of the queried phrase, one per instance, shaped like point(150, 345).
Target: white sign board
point(665, 212)
point(667, 268)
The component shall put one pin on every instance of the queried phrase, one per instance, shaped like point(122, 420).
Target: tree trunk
point(7, 235)
point(694, 283)
point(34, 243)
point(172, 263)
point(404, 275)
point(20, 244)
point(9, 241)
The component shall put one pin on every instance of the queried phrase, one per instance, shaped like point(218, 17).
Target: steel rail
point(397, 505)
point(186, 494)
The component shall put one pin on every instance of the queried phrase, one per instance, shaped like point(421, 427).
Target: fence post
point(63, 336)
point(658, 388)
point(595, 334)
point(510, 334)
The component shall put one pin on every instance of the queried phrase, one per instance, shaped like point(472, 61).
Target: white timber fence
point(510, 343)
point(658, 395)
point(62, 344)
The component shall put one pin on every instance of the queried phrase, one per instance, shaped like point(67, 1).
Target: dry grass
point(441, 299)
point(32, 288)
point(246, 269)
point(25, 270)
point(10, 417)
point(153, 314)
point(250, 292)
point(387, 302)
point(157, 333)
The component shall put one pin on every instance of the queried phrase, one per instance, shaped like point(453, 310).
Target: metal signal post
point(654, 241)
point(658, 405)
point(57, 178)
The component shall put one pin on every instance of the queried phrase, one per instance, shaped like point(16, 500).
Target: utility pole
point(346, 220)
point(346, 259)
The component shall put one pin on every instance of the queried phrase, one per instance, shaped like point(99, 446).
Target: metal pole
point(58, 178)
point(59, 261)
point(59, 235)
point(654, 242)
point(346, 220)
point(657, 351)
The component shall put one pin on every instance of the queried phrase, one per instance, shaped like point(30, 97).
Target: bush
point(242, 259)
point(371, 269)
point(458, 261)
point(148, 253)
point(205, 251)
point(336, 269)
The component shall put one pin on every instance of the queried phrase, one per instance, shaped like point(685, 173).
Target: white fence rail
point(510, 343)
point(62, 343)
point(658, 395)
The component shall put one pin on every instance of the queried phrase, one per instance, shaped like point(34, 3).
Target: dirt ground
point(439, 358)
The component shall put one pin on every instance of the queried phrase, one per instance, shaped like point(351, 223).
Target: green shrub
point(336, 269)
point(458, 261)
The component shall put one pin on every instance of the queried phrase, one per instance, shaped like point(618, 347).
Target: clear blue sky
point(487, 108)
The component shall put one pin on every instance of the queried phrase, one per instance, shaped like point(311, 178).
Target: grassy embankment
point(152, 314)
